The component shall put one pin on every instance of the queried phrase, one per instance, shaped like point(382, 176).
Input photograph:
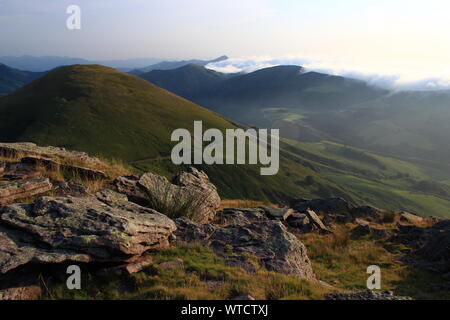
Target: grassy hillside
point(187, 81)
point(116, 115)
point(12, 79)
point(99, 110)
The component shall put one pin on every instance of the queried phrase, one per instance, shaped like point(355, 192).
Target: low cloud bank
point(409, 79)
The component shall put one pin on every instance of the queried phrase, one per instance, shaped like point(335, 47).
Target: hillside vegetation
point(119, 116)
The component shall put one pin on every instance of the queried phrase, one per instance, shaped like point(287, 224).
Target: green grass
point(119, 116)
point(203, 276)
point(342, 262)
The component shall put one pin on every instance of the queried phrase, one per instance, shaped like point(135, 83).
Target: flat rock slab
point(21, 189)
point(23, 149)
point(104, 227)
point(315, 220)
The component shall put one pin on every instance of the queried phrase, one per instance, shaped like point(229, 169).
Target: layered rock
point(268, 240)
point(24, 149)
point(20, 189)
point(101, 227)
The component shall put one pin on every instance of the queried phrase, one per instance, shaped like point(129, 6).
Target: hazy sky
point(407, 38)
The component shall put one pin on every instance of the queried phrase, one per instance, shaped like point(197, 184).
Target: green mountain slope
point(99, 110)
point(242, 97)
point(116, 115)
point(12, 79)
point(188, 81)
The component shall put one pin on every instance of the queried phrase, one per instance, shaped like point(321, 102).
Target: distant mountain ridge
point(12, 79)
point(312, 106)
point(170, 65)
point(116, 115)
point(46, 63)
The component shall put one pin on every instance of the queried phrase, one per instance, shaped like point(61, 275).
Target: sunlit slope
point(100, 110)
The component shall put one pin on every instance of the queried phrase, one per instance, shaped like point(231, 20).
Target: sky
point(402, 41)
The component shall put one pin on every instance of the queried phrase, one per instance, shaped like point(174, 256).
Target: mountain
point(314, 107)
point(187, 81)
point(115, 115)
point(12, 79)
point(411, 125)
point(97, 109)
point(169, 65)
point(241, 96)
point(39, 64)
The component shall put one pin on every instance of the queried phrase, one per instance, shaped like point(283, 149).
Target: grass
point(203, 276)
point(342, 262)
point(174, 201)
point(118, 116)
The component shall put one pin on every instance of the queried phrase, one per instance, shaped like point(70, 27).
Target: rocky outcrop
point(436, 250)
point(411, 218)
point(82, 172)
point(367, 212)
point(367, 230)
point(101, 227)
point(20, 189)
point(24, 149)
point(315, 220)
point(332, 205)
point(190, 188)
point(278, 213)
point(268, 240)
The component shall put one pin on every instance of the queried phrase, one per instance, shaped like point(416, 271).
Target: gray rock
point(191, 186)
point(240, 216)
point(20, 189)
point(315, 220)
point(278, 250)
point(101, 227)
point(24, 149)
point(332, 205)
point(278, 213)
point(367, 212)
point(410, 218)
point(365, 229)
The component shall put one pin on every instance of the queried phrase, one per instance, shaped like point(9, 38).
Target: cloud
point(409, 79)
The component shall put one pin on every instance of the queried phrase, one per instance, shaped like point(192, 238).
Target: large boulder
point(103, 227)
point(190, 190)
point(277, 249)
